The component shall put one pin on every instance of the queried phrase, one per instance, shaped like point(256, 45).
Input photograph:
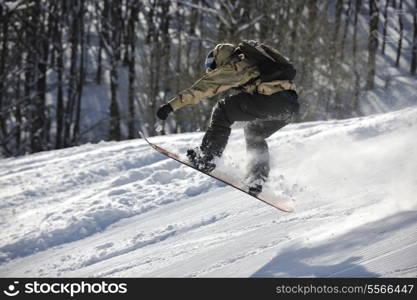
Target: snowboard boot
point(256, 179)
point(202, 162)
point(255, 186)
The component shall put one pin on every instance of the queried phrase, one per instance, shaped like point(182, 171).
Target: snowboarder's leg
point(279, 110)
point(214, 140)
point(258, 153)
point(217, 135)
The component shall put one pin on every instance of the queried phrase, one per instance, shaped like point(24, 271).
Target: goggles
point(210, 63)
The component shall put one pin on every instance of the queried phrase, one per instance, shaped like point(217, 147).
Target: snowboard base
point(282, 202)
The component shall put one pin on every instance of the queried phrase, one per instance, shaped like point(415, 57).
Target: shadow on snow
point(293, 262)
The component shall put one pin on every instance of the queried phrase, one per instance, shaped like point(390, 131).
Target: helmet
point(218, 56)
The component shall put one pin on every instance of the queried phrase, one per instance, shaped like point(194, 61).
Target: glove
point(164, 111)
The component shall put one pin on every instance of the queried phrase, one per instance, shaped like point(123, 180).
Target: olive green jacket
point(232, 72)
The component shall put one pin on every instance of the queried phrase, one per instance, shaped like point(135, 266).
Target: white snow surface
point(120, 209)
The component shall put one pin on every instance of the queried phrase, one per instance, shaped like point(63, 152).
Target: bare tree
point(413, 66)
point(53, 52)
point(57, 40)
point(384, 32)
point(111, 38)
point(372, 43)
point(355, 104)
point(346, 28)
point(134, 7)
point(400, 39)
point(4, 54)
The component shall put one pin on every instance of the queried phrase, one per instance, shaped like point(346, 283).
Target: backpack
point(271, 64)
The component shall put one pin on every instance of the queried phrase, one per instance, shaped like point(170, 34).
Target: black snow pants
point(264, 114)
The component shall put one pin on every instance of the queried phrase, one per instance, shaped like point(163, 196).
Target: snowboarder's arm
point(230, 75)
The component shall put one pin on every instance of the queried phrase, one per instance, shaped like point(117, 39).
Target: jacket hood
point(222, 52)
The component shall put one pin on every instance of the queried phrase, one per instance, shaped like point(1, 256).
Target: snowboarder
point(266, 100)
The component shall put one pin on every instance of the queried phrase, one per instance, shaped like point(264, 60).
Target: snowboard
point(280, 202)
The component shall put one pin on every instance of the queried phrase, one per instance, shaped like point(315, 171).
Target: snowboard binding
point(203, 162)
point(255, 190)
point(255, 184)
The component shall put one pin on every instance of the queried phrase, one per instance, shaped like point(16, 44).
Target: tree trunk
point(4, 55)
point(306, 77)
point(72, 80)
point(338, 21)
point(60, 95)
point(115, 131)
point(384, 33)
point(100, 48)
point(131, 60)
point(335, 63)
point(40, 124)
point(372, 43)
point(178, 65)
point(113, 39)
point(356, 89)
point(414, 51)
point(152, 38)
point(164, 65)
point(18, 116)
point(345, 29)
point(358, 6)
point(81, 73)
point(400, 40)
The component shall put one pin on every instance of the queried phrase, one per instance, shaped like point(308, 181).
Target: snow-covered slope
point(122, 209)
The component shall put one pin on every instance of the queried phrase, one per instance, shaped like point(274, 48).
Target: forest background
point(78, 71)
